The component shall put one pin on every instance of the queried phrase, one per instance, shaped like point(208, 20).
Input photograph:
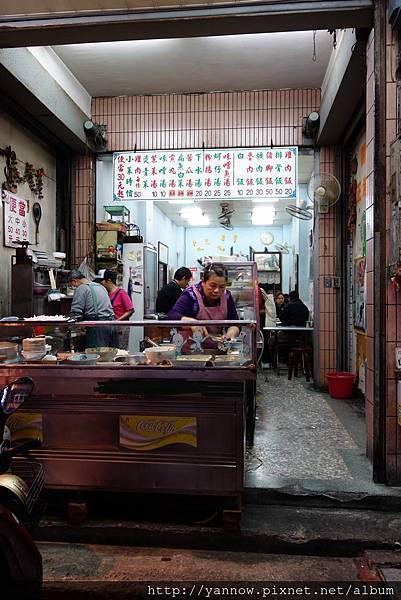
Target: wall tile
point(392, 403)
point(391, 323)
point(391, 112)
point(391, 435)
point(390, 359)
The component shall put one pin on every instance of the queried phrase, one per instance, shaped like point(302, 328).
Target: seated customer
point(169, 294)
point(295, 313)
point(280, 304)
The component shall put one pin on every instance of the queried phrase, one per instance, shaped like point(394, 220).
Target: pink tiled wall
point(370, 107)
point(393, 333)
point(220, 119)
point(83, 209)
point(326, 318)
point(393, 300)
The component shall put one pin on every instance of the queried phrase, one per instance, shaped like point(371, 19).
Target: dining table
point(275, 329)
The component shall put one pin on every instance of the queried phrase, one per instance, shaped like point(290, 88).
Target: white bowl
point(158, 354)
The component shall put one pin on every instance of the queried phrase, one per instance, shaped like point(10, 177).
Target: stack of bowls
point(34, 348)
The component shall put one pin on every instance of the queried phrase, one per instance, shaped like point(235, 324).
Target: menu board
point(16, 222)
point(265, 173)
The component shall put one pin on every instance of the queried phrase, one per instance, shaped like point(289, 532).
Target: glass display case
point(269, 270)
point(168, 344)
point(243, 283)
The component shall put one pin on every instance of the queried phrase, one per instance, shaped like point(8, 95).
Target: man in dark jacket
point(295, 313)
point(169, 294)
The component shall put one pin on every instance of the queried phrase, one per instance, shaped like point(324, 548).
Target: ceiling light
point(191, 212)
point(203, 220)
point(262, 220)
point(311, 125)
point(187, 201)
point(96, 134)
point(265, 200)
point(263, 215)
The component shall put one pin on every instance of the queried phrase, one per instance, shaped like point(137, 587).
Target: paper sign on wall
point(16, 221)
point(265, 173)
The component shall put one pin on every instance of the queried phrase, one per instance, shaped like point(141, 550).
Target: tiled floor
point(306, 440)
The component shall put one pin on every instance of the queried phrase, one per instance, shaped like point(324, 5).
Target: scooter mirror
point(15, 393)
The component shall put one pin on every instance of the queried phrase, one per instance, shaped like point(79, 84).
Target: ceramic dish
point(105, 353)
point(83, 359)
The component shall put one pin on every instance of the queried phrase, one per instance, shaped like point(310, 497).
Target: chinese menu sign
point(265, 173)
point(16, 221)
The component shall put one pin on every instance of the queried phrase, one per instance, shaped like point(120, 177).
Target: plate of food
point(47, 318)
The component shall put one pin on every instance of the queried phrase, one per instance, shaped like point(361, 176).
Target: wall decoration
point(11, 171)
point(235, 237)
point(222, 237)
point(221, 173)
point(360, 294)
point(32, 176)
point(266, 238)
point(194, 242)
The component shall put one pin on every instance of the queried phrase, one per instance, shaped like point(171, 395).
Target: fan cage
point(299, 213)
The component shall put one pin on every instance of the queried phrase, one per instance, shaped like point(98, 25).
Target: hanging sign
point(264, 173)
point(16, 222)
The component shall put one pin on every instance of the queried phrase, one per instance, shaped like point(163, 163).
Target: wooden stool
point(297, 354)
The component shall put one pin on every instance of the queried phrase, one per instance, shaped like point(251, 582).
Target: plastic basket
point(341, 384)
point(32, 473)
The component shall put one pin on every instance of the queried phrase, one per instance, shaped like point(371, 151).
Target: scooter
point(20, 559)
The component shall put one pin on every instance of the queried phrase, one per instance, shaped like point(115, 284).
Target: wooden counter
point(138, 429)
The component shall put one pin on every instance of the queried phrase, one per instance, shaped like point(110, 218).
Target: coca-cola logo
point(163, 427)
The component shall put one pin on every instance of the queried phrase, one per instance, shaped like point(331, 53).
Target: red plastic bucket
point(341, 384)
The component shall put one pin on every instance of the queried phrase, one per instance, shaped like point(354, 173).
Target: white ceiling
point(196, 65)
point(191, 65)
point(243, 208)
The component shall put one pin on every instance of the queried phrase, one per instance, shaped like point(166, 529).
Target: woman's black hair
point(217, 269)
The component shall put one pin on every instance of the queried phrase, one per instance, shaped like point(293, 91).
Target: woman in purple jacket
point(208, 300)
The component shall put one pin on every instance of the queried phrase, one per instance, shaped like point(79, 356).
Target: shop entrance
point(194, 117)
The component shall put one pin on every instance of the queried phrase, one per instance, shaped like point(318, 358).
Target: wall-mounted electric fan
point(225, 216)
point(283, 248)
point(324, 190)
point(303, 211)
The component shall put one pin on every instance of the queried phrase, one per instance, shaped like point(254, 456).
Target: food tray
point(190, 364)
